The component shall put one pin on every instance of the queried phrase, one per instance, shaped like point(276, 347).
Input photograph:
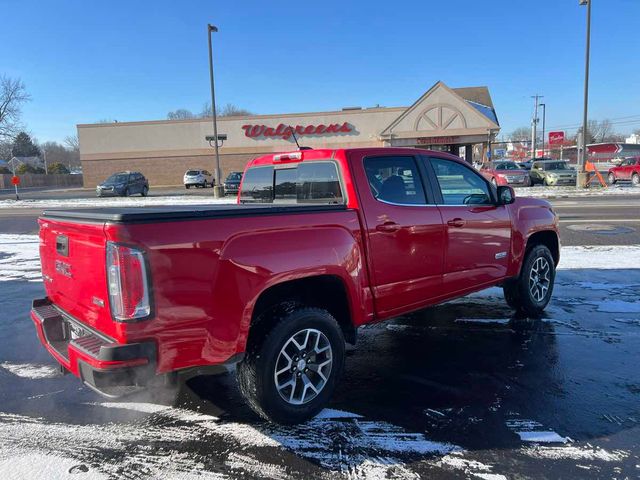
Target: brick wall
point(161, 170)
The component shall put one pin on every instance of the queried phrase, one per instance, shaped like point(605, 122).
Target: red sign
point(556, 138)
point(436, 140)
point(285, 131)
point(15, 180)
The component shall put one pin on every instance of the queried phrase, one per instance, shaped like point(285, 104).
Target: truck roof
point(324, 153)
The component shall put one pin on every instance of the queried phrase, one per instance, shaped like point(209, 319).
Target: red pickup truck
point(322, 242)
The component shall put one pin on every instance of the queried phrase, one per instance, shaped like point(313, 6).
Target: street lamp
point(218, 191)
point(581, 178)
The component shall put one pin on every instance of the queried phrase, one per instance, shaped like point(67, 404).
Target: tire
point(635, 179)
point(495, 182)
point(145, 191)
point(530, 293)
point(204, 185)
point(280, 330)
point(126, 193)
point(545, 182)
point(187, 187)
point(611, 178)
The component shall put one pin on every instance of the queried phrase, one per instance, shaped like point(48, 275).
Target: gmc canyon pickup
point(320, 243)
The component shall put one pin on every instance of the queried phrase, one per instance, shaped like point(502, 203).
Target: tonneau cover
point(182, 212)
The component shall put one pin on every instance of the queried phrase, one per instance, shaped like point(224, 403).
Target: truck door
point(404, 231)
point(478, 232)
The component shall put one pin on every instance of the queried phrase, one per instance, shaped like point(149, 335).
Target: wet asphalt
point(446, 392)
point(441, 393)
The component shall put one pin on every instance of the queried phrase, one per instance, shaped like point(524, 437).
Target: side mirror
point(506, 195)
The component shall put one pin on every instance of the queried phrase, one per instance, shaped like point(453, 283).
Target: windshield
point(193, 172)
point(507, 166)
point(118, 178)
point(234, 176)
point(557, 166)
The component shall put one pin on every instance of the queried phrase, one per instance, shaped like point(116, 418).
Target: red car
point(506, 173)
point(323, 242)
point(629, 169)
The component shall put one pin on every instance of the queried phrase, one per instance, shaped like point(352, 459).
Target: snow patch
point(19, 257)
point(38, 466)
point(478, 469)
point(542, 437)
point(29, 370)
point(576, 453)
point(617, 306)
point(483, 320)
point(600, 257)
point(72, 203)
point(331, 413)
point(135, 406)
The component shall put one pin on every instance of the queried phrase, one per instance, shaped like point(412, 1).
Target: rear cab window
point(312, 182)
point(395, 179)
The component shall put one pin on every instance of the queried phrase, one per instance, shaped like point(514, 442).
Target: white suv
point(198, 178)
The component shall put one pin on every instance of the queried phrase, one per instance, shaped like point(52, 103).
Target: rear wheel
point(530, 293)
point(611, 178)
point(635, 179)
point(293, 361)
point(145, 191)
point(187, 187)
point(126, 193)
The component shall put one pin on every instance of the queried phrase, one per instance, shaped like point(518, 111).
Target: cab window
point(460, 185)
point(395, 179)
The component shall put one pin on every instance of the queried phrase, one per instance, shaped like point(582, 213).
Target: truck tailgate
point(74, 271)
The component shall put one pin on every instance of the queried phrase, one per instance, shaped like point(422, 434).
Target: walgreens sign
point(285, 131)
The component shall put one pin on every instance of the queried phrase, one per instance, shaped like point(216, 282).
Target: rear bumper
point(109, 368)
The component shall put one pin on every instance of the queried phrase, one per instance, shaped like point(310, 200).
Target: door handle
point(457, 222)
point(388, 227)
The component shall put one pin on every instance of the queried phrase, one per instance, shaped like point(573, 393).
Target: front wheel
point(530, 293)
point(612, 178)
point(635, 179)
point(145, 191)
point(293, 361)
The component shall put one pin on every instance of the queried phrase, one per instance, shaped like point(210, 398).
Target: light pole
point(534, 124)
point(218, 191)
point(581, 178)
point(544, 116)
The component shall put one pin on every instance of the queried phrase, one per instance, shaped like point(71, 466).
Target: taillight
point(127, 281)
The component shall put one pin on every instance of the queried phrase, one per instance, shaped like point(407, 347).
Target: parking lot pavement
point(455, 391)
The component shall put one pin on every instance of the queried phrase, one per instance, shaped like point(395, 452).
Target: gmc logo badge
point(63, 268)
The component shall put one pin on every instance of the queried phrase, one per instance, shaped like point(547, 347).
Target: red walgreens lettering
point(285, 131)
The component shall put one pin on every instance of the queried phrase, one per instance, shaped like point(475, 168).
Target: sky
point(85, 61)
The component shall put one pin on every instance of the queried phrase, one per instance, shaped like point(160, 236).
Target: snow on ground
point(114, 202)
point(569, 191)
point(33, 447)
point(19, 257)
point(30, 370)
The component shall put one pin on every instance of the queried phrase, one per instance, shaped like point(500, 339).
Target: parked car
point(323, 242)
point(629, 169)
point(123, 184)
point(552, 172)
point(232, 183)
point(527, 164)
point(198, 178)
point(505, 173)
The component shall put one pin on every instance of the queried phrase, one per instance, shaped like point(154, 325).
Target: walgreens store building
point(458, 120)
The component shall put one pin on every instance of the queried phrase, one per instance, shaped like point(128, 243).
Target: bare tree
point(71, 141)
point(519, 134)
point(229, 110)
point(12, 95)
point(180, 114)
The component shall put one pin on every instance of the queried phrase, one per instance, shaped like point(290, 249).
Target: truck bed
point(130, 215)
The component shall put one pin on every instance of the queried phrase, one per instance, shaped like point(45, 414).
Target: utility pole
point(534, 124)
point(581, 178)
point(544, 116)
